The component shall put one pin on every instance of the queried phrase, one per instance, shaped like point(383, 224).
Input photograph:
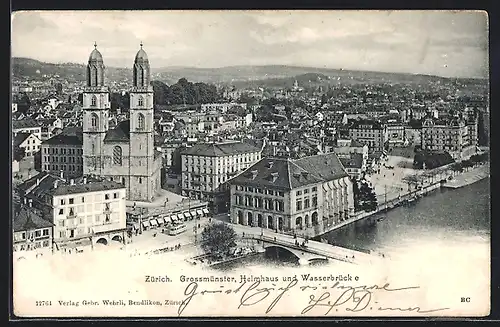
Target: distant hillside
point(25, 67)
point(240, 76)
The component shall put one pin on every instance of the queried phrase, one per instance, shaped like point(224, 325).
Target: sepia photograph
point(257, 163)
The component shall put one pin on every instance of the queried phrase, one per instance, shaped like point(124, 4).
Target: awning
point(153, 222)
point(193, 213)
point(187, 215)
point(160, 221)
point(180, 216)
point(145, 223)
point(205, 210)
point(199, 212)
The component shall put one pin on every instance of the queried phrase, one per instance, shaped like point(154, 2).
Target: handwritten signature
point(351, 298)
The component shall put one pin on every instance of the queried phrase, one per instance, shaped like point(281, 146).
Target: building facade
point(369, 132)
point(396, 134)
point(207, 167)
point(125, 154)
point(63, 153)
point(83, 211)
point(28, 143)
point(307, 195)
point(27, 126)
point(32, 231)
point(447, 135)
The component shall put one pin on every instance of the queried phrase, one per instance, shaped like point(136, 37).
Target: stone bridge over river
point(311, 251)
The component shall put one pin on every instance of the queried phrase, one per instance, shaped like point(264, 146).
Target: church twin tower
point(126, 153)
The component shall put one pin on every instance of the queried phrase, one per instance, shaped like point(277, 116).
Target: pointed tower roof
point(141, 55)
point(95, 55)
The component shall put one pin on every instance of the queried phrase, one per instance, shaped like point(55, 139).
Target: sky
point(443, 43)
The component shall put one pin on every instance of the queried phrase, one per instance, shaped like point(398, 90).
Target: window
point(298, 193)
point(141, 102)
point(140, 180)
point(61, 211)
point(314, 189)
point(299, 205)
point(94, 120)
point(38, 233)
point(23, 235)
point(115, 195)
point(306, 191)
point(280, 206)
point(106, 196)
point(117, 155)
point(71, 212)
point(45, 232)
point(306, 203)
point(94, 101)
point(71, 201)
point(140, 121)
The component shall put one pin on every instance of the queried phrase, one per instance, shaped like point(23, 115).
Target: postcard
point(250, 164)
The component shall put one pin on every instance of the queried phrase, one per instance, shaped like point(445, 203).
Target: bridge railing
point(309, 249)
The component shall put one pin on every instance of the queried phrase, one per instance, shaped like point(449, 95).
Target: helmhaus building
point(304, 196)
point(83, 211)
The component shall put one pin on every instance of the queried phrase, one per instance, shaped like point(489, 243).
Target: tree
point(368, 198)
point(218, 239)
point(364, 196)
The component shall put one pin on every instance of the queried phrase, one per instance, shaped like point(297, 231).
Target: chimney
point(37, 181)
point(72, 181)
point(55, 183)
point(25, 201)
point(85, 180)
point(31, 203)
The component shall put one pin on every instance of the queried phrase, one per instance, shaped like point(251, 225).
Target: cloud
point(374, 40)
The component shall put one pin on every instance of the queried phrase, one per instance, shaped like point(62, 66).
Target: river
point(456, 219)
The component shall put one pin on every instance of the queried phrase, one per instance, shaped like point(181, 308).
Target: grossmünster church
point(126, 153)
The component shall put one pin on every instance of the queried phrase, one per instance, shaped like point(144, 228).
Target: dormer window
point(254, 174)
point(274, 176)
